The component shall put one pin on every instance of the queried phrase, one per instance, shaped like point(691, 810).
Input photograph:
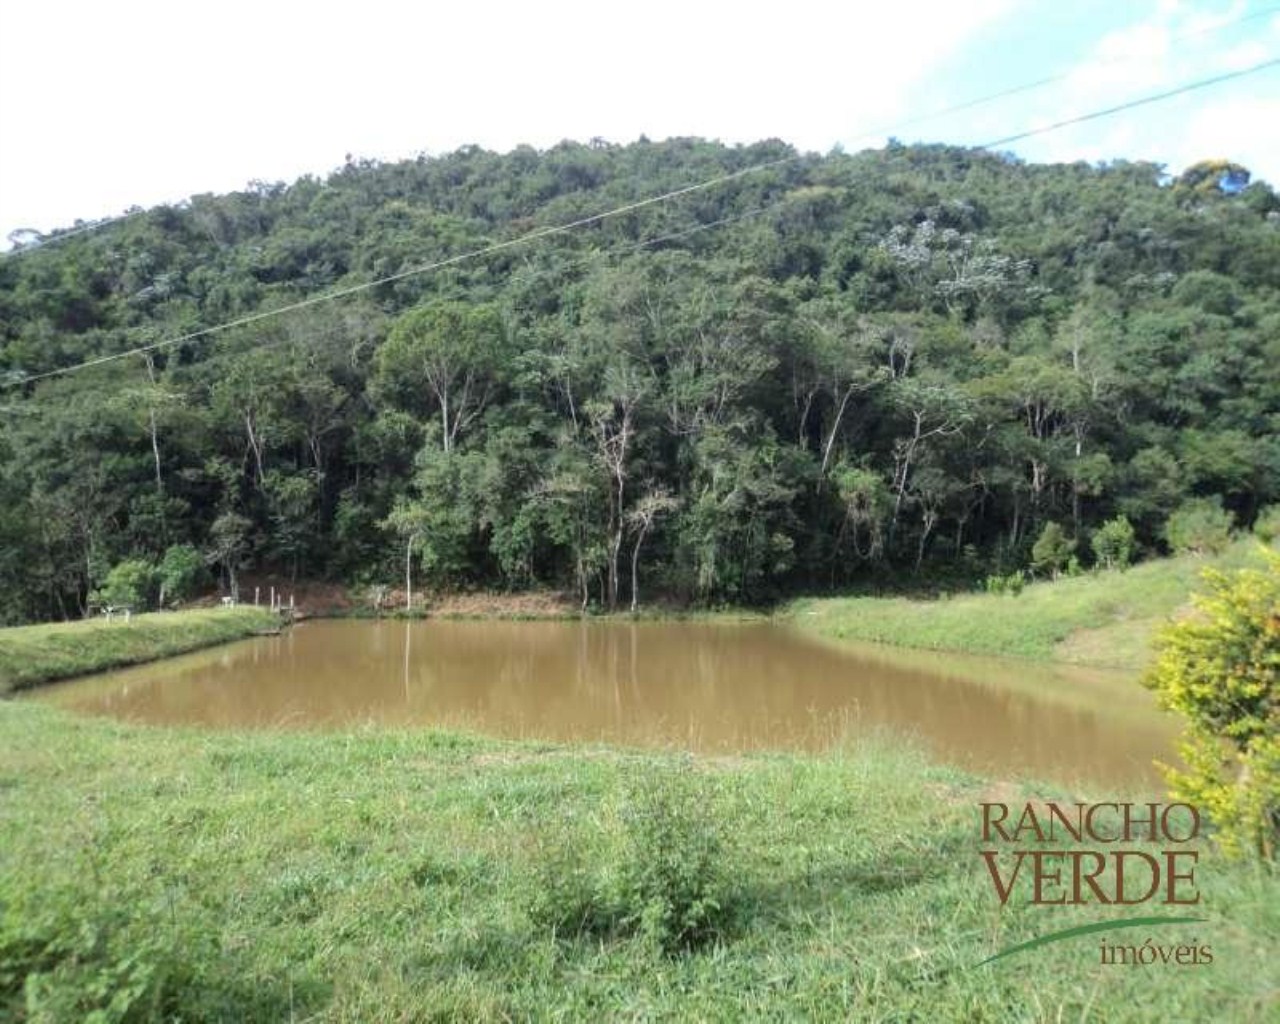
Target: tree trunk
point(155, 451)
point(804, 421)
point(615, 548)
point(151, 420)
point(635, 571)
point(408, 573)
point(929, 521)
point(255, 445)
point(835, 429)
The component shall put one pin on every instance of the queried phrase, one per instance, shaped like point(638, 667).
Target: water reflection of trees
point(713, 687)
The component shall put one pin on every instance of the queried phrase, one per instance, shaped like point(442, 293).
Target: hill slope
point(817, 372)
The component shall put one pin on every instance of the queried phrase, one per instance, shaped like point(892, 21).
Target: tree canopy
point(911, 361)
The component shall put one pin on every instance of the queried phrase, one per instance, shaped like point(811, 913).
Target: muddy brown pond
point(709, 687)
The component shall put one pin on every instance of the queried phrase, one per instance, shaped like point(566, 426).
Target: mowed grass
point(167, 874)
point(1106, 619)
point(30, 655)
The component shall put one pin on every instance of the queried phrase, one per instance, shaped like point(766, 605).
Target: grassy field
point(1103, 619)
point(30, 655)
point(157, 874)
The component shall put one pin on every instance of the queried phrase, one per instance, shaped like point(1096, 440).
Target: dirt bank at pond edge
point(318, 599)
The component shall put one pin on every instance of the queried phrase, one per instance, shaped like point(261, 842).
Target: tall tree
point(447, 354)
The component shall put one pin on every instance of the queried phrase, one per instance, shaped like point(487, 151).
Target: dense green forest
point(836, 371)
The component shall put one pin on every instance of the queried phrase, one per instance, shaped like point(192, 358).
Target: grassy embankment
point(1106, 619)
point(429, 876)
point(30, 655)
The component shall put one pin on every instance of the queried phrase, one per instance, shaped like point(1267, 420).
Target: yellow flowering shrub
point(1220, 669)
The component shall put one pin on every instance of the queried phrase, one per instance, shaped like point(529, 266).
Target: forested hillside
point(889, 365)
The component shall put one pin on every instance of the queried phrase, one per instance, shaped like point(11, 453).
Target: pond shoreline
point(704, 685)
point(32, 656)
point(1100, 620)
point(53, 652)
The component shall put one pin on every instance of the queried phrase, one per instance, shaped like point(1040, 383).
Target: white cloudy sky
point(104, 106)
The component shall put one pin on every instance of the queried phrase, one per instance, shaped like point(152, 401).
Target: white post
point(255, 597)
point(273, 598)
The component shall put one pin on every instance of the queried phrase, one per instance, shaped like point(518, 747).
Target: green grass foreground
point(30, 655)
point(1105, 619)
point(158, 874)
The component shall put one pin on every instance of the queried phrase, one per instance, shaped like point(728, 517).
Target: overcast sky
point(108, 105)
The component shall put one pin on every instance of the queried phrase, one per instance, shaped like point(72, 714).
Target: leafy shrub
point(1199, 526)
point(180, 573)
point(1112, 543)
point(665, 882)
point(1220, 670)
point(1267, 526)
point(1011, 584)
point(128, 583)
point(1051, 549)
point(669, 883)
point(103, 965)
point(376, 595)
point(567, 897)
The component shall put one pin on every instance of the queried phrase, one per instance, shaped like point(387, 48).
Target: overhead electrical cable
point(596, 218)
point(1040, 83)
point(31, 408)
point(874, 134)
point(355, 289)
point(1154, 98)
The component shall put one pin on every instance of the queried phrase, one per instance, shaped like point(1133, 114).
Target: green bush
point(105, 965)
point(129, 583)
point(1199, 526)
point(664, 880)
point(669, 883)
point(1051, 549)
point(1220, 670)
point(1011, 584)
point(180, 573)
point(567, 896)
point(1267, 526)
point(1112, 543)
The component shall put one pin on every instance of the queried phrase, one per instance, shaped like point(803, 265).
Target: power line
point(1204, 83)
point(1052, 79)
point(874, 134)
point(425, 268)
point(71, 232)
point(596, 218)
point(582, 261)
point(595, 257)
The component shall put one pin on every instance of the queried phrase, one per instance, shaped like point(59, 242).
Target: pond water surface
point(708, 687)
